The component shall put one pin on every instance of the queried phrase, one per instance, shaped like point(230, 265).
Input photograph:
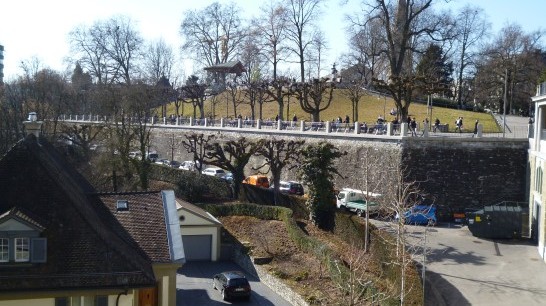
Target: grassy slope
point(370, 108)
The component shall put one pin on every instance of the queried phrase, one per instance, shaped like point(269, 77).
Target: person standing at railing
point(413, 127)
point(347, 122)
point(436, 125)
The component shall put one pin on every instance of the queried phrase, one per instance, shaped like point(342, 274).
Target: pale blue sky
point(40, 28)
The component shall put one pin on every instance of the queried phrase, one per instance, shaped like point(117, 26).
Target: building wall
point(537, 186)
point(205, 230)
point(166, 277)
point(76, 298)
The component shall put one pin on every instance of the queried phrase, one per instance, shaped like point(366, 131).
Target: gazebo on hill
point(228, 67)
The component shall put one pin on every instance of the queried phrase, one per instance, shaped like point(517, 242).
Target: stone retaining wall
point(455, 172)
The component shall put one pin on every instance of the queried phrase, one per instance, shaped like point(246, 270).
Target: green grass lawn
point(369, 109)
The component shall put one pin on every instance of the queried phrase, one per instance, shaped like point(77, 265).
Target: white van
point(352, 195)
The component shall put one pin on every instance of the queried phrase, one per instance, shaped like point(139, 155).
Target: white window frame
point(4, 250)
point(22, 249)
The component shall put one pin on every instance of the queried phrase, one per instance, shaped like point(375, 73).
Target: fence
point(304, 127)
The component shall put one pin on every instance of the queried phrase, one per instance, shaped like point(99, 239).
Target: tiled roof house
point(62, 243)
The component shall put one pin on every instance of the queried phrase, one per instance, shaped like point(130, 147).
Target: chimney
point(32, 125)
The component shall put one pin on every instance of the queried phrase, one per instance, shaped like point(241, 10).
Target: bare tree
point(301, 15)
point(272, 25)
point(252, 80)
point(354, 91)
point(364, 60)
point(194, 92)
point(81, 136)
point(158, 61)
point(404, 193)
point(232, 155)
point(315, 96)
point(196, 144)
point(234, 94)
point(213, 35)
point(471, 29)
point(511, 66)
point(278, 154)
point(109, 50)
point(404, 26)
point(317, 52)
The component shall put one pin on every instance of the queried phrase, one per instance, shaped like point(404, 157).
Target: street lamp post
point(385, 107)
point(505, 97)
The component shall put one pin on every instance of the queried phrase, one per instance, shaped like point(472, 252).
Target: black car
point(291, 187)
point(231, 284)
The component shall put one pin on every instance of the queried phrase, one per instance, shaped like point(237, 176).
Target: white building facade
point(537, 162)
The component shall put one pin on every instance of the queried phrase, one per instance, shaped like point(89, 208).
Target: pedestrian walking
point(459, 125)
point(475, 128)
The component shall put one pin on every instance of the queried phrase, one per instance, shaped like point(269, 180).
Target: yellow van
point(257, 180)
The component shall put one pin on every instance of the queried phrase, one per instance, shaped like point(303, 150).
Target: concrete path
point(464, 270)
point(194, 286)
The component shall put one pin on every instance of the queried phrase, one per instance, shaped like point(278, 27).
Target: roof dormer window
point(20, 240)
point(122, 205)
point(4, 249)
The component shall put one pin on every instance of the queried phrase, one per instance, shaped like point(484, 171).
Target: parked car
point(161, 161)
point(257, 180)
point(228, 177)
point(214, 172)
point(135, 154)
point(189, 165)
point(348, 195)
point(172, 163)
point(232, 284)
point(291, 187)
point(420, 215)
point(152, 156)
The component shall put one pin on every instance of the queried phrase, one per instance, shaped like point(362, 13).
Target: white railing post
point(191, 121)
point(328, 127)
point(205, 122)
point(259, 124)
point(164, 120)
point(357, 127)
point(279, 124)
point(480, 131)
point(404, 129)
point(302, 126)
point(239, 123)
point(222, 122)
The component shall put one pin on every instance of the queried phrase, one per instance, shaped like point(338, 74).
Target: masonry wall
point(457, 172)
point(469, 172)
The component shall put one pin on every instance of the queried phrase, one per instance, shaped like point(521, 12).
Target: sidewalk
point(465, 270)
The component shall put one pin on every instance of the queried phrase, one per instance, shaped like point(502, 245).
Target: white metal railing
point(327, 127)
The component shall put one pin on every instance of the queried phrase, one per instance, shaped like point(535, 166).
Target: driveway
point(464, 270)
point(194, 286)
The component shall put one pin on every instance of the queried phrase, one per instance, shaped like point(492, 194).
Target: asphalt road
point(465, 270)
point(194, 286)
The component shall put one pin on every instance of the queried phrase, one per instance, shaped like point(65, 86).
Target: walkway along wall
point(457, 172)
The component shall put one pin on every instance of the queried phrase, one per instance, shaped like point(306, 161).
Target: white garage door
point(197, 247)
